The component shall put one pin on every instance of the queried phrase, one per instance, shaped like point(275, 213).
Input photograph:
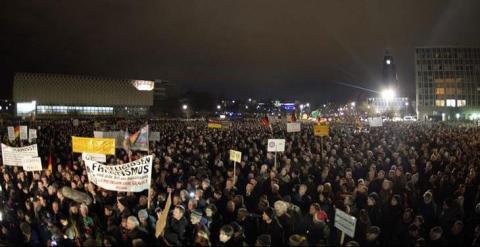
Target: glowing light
point(184, 107)
point(219, 107)
point(388, 94)
point(141, 85)
point(388, 61)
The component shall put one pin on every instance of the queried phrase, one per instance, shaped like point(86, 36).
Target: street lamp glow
point(308, 104)
point(219, 107)
point(406, 103)
point(388, 61)
point(246, 107)
point(184, 107)
point(388, 94)
point(301, 107)
point(353, 104)
point(250, 100)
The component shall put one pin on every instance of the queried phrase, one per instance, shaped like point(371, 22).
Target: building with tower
point(389, 101)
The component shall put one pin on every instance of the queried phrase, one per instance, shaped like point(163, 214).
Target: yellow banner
point(214, 125)
point(321, 130)
point(93, 145)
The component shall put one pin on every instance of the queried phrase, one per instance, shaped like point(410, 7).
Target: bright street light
point(219, 107)
point(353, 104)
point(388, 94)
point(308, 105)
point(249, 100)
point(184, 107)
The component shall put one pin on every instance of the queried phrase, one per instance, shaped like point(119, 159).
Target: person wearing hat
point(264, 240)
point(197, 224)
point(147, 222)
point(271, 226)
point(318, 230)
point(372, 236)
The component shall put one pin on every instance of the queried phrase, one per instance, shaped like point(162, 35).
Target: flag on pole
point(17, 131)
point(139, 139)
point(50, 165)
point(126, 141)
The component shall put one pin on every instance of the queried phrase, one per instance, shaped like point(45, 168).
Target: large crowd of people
point(407, 184)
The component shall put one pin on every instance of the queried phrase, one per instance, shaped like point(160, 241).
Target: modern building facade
point(59, 94)
point(447, 83)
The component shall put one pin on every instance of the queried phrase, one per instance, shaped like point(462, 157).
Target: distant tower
point(389, 72)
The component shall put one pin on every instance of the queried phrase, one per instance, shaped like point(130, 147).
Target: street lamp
point(308, 105)
point(184, 107)
point(353, 104)
point(249, 99)
point(388, 94)
point(219, 107)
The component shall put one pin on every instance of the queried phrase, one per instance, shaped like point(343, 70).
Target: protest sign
point(93, 145)
point(13, 156)
point(293, 127)
point(32, 164)
point(130, 177)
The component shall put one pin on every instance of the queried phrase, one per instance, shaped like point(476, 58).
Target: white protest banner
point(375, 121)
point(94, 157)
point(11, 133)
point(235, 156)
point(276, 145)
point(32, 135)
point(98, 134)
point(345, 222)
point(154, 136)
point(23, 132)
point(13, 156)
point(293, 127)
point(32, 164)
point(130, 177)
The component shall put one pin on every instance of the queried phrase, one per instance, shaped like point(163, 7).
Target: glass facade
point(447, 77)
point(81, 110)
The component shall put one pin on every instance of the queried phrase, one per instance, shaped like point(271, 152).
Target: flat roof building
point(447, 83)
point(60, 94)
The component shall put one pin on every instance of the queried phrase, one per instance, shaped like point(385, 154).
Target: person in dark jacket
point(176, 226)
point(372, 236)
point(272, 227)
point(437, 238)
point(225, 237)
point(135, 232)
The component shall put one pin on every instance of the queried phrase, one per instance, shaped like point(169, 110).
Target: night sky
point(261, 48)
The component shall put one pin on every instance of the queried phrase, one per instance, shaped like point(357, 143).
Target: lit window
point(450, 103)
point(440, 102)
point(440, 91)
point(461, 102)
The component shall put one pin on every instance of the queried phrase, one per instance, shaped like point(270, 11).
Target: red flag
point(50, 165)
point(292, 118)
point(265, 121)
point(17, 132)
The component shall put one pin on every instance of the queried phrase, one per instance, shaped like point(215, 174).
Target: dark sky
point(261, 48)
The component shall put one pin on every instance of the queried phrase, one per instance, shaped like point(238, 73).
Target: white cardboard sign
point(276, 145)
point(345, 222)
point(32, 164)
